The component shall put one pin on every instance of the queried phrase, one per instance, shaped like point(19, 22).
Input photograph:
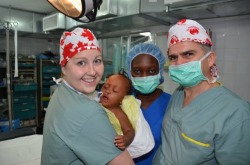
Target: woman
point(76, 128)
point(145, 68)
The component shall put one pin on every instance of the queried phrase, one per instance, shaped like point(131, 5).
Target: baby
point(114, 90)
point(123, 110)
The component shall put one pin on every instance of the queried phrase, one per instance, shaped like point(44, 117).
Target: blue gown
point(154, 115)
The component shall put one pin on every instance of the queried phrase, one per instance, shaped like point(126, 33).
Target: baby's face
point(114, 90)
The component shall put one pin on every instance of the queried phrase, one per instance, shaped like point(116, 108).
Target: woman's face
point(84, 71)
point(144, 65)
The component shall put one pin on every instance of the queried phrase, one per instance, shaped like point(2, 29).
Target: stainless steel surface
point(146, 14)
point(128, 16)
point(54, 21)
point(26, 21)
point(203, 9)
point(38, 6)
point(28, 24)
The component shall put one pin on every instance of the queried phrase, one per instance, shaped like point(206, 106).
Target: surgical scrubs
point(213, 129)
point(77, 131)
point(154, 115)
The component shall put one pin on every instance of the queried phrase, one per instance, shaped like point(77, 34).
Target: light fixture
point(167, 2)
point(145, 34)
point(149, 35)
point(78, 9)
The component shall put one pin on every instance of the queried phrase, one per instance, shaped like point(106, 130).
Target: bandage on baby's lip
point(99, 94)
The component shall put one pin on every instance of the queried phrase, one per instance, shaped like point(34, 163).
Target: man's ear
point(212, 58)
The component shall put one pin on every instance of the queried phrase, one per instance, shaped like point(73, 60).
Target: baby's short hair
point(124, 74)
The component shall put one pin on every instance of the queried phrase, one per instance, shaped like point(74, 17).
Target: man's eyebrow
point(183, 53)
point(189, 51)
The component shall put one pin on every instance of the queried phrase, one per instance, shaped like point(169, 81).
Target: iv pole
point(8, 25)
point(8, 75)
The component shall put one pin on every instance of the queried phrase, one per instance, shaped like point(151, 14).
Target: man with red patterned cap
point(205, 123)
point(76, 128)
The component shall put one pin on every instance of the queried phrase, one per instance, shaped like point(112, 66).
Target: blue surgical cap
point(150, 49)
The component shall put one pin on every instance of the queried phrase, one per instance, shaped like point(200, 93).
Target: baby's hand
point(120, 142)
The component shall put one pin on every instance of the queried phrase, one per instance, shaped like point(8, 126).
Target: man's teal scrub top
point(213, 129)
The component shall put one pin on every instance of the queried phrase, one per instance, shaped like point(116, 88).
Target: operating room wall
point(231, 40)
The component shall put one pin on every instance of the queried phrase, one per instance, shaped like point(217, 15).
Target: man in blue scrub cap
point(205, 123)
point(145, 64)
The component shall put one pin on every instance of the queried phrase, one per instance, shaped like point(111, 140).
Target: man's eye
point(172, 58)
point(188, 55)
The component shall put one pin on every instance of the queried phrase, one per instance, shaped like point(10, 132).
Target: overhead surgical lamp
point(78, 9)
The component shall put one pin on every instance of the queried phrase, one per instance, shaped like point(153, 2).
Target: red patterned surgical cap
point(187, 30)
point(76, 41)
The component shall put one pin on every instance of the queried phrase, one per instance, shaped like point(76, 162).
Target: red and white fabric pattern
point(188, 30)
point(76, 41)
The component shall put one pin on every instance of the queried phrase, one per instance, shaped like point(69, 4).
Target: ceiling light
point(145, 34)
point(78, 9)
point(173, 1)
